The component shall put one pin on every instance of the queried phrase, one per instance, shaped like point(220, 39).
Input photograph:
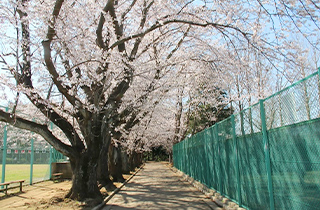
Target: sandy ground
point(43, 195)
point(38, 196)
point(158, 187)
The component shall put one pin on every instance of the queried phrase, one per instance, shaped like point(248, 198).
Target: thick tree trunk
point(103, 170)
point(140, 159)
point(135, 160)
point(84, 179)
point(125, 163)
point(115, 163)
point(131, 162)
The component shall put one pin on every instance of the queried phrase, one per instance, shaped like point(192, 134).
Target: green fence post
point(234, 138)
point(267, 152)
point(50, 155)
point(50, 162)
point(219, 155)
point(31, 160)
point(4, 153)
point(318, 77)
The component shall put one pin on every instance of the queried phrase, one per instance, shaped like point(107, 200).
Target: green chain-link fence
point(267, 156)
point(25, 155)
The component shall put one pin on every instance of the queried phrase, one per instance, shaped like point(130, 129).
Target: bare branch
point(179, 43)
point(185, 6)
point(124, 14)
point(314, 3)
point(15, 104)
point(167, 22)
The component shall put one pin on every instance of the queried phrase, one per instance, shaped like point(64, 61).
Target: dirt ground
point(37, 196)
point(44, 195)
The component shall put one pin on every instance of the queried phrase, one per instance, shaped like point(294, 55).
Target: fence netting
point(265, 157)
point(21, 150)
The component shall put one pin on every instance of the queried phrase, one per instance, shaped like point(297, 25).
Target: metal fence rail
point(265, 157)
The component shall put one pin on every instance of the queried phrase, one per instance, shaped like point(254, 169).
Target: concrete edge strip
point(185, 178)
point(174, 170)
point(217, 198)
point(104, 202)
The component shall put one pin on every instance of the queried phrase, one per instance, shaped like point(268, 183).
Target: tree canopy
point(126, 71)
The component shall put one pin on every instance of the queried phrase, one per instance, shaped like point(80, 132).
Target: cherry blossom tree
point(94, 68)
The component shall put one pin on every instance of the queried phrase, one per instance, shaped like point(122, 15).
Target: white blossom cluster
point(162, 50)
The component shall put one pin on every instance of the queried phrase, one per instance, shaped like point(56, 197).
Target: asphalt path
point(156, 186)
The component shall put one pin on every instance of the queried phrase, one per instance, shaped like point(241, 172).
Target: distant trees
point(203, 114)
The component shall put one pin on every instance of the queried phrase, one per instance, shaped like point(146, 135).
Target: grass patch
point(22, 171)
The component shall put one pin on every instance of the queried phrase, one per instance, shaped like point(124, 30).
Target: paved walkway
point(157, 187)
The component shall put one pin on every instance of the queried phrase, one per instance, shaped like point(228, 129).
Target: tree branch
point(58, 120)
point(142, 23)
point(124, 14)
point(179, 43)
point(25, 45)
point(167, 22)
point(117, 28)
point(47, 55)
point(102, 44)
point(39, 129)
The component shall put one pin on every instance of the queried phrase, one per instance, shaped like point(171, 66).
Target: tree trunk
point(115, 164)
point(103, 170)
point(136, 160)
point(140, 159)
point(130, 161)
point(171, 157)
point(84, 178)
point(125, 163)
